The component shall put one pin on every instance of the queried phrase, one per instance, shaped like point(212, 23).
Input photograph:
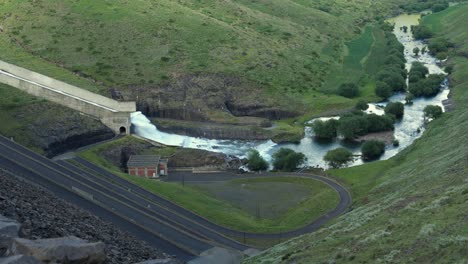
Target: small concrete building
point(147, 166)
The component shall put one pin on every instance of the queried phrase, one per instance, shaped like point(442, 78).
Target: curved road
point(342, 207)
point(149, 216)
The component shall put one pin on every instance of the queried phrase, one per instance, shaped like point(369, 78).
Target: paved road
point(149, 216)
point(168, 236)
point(342, 207)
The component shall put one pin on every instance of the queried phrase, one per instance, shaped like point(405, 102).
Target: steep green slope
point(208, 59)
point(412, 208)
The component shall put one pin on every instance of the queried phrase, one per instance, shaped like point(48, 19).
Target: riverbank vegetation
point(410, 208)
point(353, 124)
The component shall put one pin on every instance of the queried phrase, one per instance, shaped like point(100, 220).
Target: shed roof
point(143, 160)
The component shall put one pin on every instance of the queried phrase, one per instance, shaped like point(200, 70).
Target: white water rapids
point(406, 131)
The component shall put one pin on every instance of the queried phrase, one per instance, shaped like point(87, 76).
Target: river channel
point(406, 131)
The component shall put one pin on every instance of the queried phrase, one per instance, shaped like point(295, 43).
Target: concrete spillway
point(114, 114)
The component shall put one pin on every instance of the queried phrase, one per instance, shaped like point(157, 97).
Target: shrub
point(439, 7)
point(376, 123)
point(338, 157)
point(383, 90)
point(396, 109)
point(448, 69)
point(427, 87)
point(351, 126)
point(393, 79)
point(372, 149)
point(421, 32)
point(432, 111)
point(361, 105)
point(287, 159)
point(256, 162)
point(418, 71)
point(325, 129)
point(409, 98)
point(348, 90)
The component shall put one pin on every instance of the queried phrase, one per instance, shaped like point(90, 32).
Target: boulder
point(62, 250)
point(9, 229)
point(19, 259)
point(159, 261)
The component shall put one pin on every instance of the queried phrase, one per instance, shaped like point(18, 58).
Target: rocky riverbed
point(42, 215)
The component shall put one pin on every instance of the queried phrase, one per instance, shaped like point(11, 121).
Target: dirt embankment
point(43, 215)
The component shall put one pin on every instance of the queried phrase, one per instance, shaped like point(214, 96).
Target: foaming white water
point(406, 130)
point(143, 127)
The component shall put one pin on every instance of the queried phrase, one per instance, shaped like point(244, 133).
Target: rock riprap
point(60, 250)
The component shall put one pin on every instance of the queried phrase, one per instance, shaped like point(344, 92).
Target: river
point(407, 130)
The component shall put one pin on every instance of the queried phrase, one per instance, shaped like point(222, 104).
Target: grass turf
point(316, 200)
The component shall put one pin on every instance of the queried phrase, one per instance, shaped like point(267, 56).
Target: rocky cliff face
point(213, 130)
point(200, 97)
point(56, 129)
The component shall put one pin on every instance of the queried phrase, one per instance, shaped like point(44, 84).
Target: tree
point(351, 126)
point(421, 32)
point(448, 69)
point(372, 149)
point(338, 157)
point(405, 29)
point(256, 162)
point(287, 159)
point(361, 105)
point(432, 111)
point(416, 51)
point(396, 109)
point(325, 129)
point(383, 90)
point(393, 79)
point(377, 123)
point(439, 7)
point(409, 98)
point(348, 90)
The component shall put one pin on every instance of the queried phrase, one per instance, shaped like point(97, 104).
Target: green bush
point(432, 111)
point(338, 157)
point(288, 160)
point(348, 90)
point(325, 129)
point(351, 126)
point(383, 90)
point(256, 162)
point(427, 87)
point(372, 149)
point(377, 123)
point(421, 32)
point(396, 109)
point(361, 105)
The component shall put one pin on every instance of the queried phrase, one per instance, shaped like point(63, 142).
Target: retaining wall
point(112, 113)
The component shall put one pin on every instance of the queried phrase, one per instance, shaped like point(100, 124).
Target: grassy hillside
point(198, 55)
point(413, 207)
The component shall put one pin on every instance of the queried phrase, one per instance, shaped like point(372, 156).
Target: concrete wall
point(67, 88)
point(114, 114)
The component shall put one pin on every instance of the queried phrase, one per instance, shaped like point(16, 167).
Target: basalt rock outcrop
point(56, 129)
point(200, 97)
